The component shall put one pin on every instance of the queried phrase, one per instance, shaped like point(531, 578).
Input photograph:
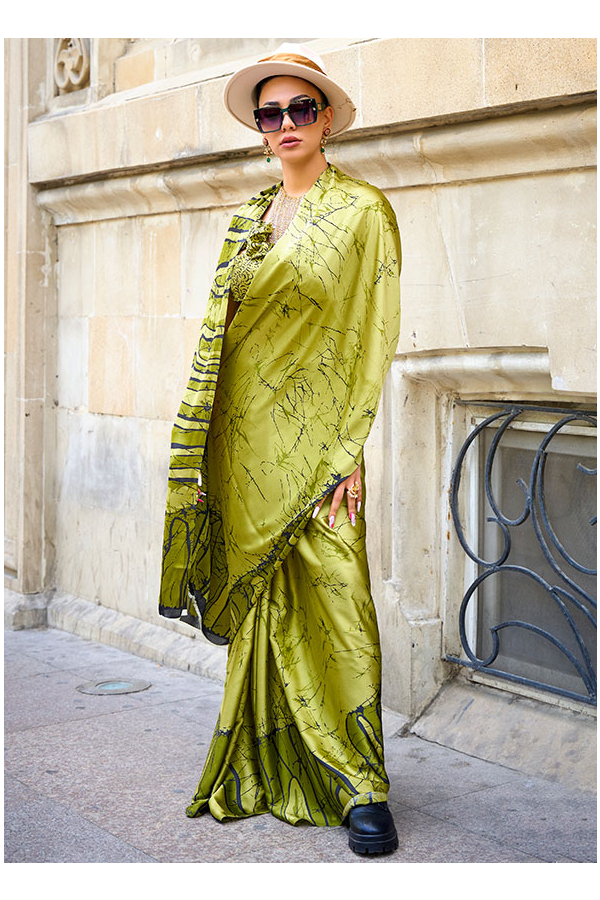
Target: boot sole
point(375, 843)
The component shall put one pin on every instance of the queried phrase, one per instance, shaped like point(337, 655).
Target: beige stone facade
point(118, 193)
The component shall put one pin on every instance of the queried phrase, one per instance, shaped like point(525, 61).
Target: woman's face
point(280, 91)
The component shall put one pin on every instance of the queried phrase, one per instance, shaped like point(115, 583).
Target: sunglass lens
point(269, 118)
point(302, 112)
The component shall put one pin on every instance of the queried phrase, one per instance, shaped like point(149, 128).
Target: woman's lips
point(290, 142)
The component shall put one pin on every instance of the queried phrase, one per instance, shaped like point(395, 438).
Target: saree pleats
point(299, 732)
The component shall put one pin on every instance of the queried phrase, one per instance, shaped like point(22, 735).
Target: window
point(528, 614)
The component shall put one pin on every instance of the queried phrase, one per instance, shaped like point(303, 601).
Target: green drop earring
point(267, 151)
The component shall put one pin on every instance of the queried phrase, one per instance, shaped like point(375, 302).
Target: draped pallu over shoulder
point(289, 393)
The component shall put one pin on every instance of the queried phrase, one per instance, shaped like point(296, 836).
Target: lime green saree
point(276, 414)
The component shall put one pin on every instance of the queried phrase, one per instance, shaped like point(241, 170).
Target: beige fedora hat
point(289, 59)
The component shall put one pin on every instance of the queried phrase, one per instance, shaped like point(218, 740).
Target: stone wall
point(119, 194)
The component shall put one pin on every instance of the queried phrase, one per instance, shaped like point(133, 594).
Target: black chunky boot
point(372, 829)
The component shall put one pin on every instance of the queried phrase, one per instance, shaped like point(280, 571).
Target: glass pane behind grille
point(506, 596)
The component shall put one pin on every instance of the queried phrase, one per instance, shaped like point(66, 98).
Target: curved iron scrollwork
point(572, 600)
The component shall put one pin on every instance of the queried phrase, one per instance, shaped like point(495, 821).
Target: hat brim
point(238, 92)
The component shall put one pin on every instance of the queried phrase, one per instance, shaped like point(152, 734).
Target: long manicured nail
point(353, 518)
point(331, 521)
point(358, 506)
point(315, 512)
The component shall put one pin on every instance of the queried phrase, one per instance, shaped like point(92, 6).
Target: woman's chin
point(297, 154)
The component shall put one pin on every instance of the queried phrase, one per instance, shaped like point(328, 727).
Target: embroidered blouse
point(245, 264)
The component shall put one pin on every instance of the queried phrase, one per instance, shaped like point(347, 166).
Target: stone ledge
point(107, 626)
point(435, 80)
point(480, 371)
point(528, 735)
point(524, 144)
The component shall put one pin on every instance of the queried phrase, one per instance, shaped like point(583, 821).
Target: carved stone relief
point(72, 64)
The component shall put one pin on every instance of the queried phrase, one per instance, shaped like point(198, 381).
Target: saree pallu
point(275, 416)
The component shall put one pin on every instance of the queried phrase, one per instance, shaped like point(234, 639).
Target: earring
point(267, 151)
point(324, 139)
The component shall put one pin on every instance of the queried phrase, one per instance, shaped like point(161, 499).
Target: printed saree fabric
point(300, 372)
point(276, 414)
point(299, 732)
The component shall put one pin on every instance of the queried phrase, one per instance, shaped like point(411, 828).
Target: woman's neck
point(297, 180)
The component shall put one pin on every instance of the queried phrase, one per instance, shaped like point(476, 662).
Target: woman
point(301, 327)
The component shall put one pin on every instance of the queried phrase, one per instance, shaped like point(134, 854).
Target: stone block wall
point(486, 149)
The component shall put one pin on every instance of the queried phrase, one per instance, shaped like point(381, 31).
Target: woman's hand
point(353, 502)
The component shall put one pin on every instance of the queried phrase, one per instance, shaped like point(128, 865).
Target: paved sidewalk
point(107, 778)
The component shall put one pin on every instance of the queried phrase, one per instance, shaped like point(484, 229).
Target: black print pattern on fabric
point(300, 369)
point(299, 733)
point(276, 414)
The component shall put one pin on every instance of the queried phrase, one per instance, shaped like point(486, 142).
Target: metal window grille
point(529, 613)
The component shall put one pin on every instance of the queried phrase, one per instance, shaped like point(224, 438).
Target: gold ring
point(353, 491)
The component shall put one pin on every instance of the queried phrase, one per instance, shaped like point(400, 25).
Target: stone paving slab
point(56, 698)
point(545, 820)
point(107, 779)
point(42, 830)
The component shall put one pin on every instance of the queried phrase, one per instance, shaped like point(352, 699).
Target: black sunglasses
point(302, 112)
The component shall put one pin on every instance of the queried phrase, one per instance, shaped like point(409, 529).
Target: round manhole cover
point(113, 686)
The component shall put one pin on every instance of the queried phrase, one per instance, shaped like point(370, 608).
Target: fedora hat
point(289, 59)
